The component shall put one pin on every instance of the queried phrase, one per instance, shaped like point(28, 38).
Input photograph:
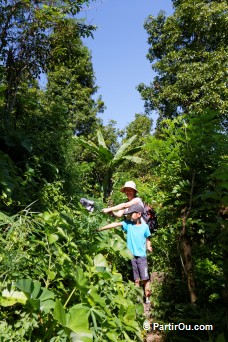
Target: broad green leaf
point(95, 296)
point(120, 299)
point(134, 150)
point(139, 309)
point(114, 322)
point(12, 297)
point(35, 303)
point(25, 285)
point(117, 277)
point(117, 243)
point(36, 289)
point(130, 325)
point(80, 278)
point(46, 294)
point(99, 260)
point(103, 274)
point(100, 269)
point(59, 312)
point(52, 238)
point(51, 275)
point(2, 88)
point(125, 253)
point(47, 305)
point(77, 319)
point(130, 313)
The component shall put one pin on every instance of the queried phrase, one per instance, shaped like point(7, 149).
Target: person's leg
point(143, 271)
point(135, 270)
point(147, 287)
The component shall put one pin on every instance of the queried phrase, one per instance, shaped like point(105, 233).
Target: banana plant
point(109, 161)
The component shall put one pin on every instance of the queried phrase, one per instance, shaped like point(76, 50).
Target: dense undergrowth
point(61, 280)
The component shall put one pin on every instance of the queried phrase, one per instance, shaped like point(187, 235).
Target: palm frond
point(123, 148)
point(89, 144)
point(133, 159)
point(105, 154)
point(100, 138)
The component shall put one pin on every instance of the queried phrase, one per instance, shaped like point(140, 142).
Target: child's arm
point(110, 225)
point(148, 245)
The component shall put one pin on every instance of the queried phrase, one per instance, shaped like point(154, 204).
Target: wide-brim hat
point(129, 184)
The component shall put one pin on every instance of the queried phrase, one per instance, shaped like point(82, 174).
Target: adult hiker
point(130, 191)
point(138, 243)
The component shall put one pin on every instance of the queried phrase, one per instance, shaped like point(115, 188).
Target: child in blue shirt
point(138, 242)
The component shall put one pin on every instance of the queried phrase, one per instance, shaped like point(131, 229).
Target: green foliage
point(188, 146)
point(108, 161)
point(189, 54)
point(71, 80)
point(63, 280)
point(32, 23)
point(36, 126)
point(141, 127)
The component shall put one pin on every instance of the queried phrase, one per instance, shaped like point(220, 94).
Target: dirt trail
point(151, 336)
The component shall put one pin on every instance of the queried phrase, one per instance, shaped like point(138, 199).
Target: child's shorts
point(140, 268)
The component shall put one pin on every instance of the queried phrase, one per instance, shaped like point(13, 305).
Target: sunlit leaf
point(59, 312)
point(99, 260)
point(12, 297)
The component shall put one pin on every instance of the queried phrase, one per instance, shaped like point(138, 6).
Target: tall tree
point(25, 42)
point(36, 126)
point(71, 80)
point(188, 164)
point(141, 126)
point(189, 53)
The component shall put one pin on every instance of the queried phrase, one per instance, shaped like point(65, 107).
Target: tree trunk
point(223, 213)
point(186, 248)
point(107, 185)
point(186, 255)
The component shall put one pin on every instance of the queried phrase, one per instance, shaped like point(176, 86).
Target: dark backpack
point(150, 217)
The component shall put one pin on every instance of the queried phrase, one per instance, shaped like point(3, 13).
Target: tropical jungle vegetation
point(60, 279)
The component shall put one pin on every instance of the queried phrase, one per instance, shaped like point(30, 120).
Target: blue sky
point(119, 51)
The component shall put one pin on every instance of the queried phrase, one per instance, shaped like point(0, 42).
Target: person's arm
point(148, 245)
point(110, 225)
point(118, 213)
point(121, 206)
